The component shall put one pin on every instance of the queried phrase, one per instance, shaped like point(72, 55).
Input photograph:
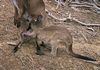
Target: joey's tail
point(79, 56)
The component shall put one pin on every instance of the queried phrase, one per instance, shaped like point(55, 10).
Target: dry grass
point(26, 59)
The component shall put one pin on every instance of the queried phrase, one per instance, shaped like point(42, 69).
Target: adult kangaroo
point(29, 10)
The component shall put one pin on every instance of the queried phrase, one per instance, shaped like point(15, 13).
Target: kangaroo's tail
point(79, 56)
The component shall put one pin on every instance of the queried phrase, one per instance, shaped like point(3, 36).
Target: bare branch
point(71, 18)
point(12, 43)
point(82, 23)
point(85, 38)
point(81, 4)
point(59, 3)
point(97, 9)
point(91, 29)
point(51, 15)
point(94, 5)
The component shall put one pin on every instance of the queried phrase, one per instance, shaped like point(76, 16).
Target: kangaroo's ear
point(15, 3)
point(26, 4)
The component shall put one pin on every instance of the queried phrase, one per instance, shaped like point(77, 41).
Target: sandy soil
point(86, 42)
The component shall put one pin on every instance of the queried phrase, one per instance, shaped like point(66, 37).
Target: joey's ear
point(16, 5)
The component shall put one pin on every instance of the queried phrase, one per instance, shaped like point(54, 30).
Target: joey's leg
point(18, 46)
point(20, 43)
point(39, 48)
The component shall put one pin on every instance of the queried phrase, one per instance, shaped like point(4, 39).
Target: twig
point(84, 3)
point(91, 29)
point(81, 6)
point(75, 9)
point(71, 18)
point(51, 15)
point(77, 4)
point(82, 23)
point(12, 43)
point(92, 5)
point(96, 3)
point(58, 4)
point(97, 9)
point(84, 36)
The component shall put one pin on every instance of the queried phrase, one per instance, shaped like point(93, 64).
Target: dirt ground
point(86, 42)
